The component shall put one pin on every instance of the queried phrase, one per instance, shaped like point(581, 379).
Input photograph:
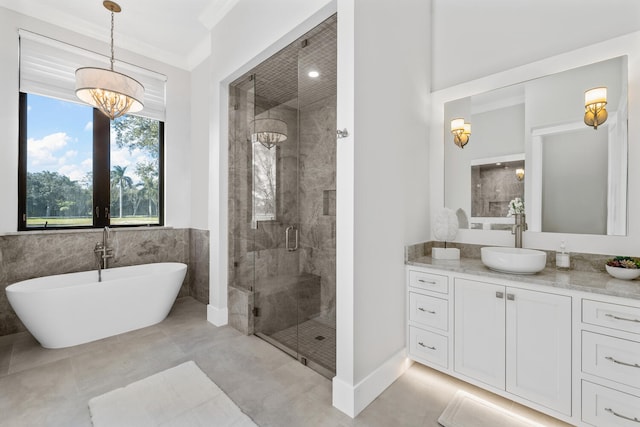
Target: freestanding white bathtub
point(71, 309)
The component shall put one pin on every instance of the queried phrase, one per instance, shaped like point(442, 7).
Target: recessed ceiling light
point(313, 74)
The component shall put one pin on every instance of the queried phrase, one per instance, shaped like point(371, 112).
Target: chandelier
point(269, 131)
point(113, 93)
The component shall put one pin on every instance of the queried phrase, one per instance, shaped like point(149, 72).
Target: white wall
point(478, 38)
point(200, 116)
point(384, 205)
point(177, 129)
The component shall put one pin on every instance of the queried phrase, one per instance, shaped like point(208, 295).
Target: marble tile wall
point(306, 168)
point(317, 198)
point(28, 255)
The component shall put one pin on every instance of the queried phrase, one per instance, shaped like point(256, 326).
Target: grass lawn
point(80, 222)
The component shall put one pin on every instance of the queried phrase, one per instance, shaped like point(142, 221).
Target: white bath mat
point(180, 396)
point(467, 410)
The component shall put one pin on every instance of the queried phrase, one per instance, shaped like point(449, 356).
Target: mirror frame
point(618, 46)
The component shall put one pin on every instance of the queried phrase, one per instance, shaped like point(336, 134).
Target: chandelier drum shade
point(113, 93)
point(269, 131)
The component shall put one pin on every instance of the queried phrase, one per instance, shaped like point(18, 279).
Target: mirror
point(574, 177)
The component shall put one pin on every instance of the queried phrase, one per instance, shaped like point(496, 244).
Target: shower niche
point(282, 182)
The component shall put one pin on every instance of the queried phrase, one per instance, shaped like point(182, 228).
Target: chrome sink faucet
point(103, 252)
point(517, 229)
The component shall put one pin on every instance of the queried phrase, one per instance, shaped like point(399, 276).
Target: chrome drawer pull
point(427, 281)
point(621, 416)
point(426, 346)
point(426, 311)
point(633, 365)
point(622, 318)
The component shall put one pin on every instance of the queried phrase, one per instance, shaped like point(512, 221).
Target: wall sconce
point(595, 101)
point(520, 174)
point(461, 132)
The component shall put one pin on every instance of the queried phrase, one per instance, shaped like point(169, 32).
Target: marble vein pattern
point(587, 273)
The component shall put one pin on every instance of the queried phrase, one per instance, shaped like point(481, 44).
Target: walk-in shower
point(282, 199)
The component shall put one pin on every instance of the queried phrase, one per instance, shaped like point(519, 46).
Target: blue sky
point(59, 139)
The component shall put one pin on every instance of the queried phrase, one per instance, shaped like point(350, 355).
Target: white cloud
point(41, 151)
point(74, 172)
point(88, 127)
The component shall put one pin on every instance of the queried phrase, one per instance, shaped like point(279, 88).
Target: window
point(76, 167)
point(79, 169)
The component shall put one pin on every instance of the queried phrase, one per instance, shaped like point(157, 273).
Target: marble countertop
point(585, 281)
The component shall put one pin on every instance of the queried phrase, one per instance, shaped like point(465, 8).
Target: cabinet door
point(479, 331)
point(539, 347)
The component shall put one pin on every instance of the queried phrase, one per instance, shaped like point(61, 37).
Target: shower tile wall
point(317, 198)
point(29, 255)
point(258, 254)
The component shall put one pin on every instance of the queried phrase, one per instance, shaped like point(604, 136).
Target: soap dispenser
point(563, 261)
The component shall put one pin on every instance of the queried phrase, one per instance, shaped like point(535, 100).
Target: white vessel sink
point(513, 260)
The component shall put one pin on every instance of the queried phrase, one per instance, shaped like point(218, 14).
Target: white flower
point(516, 206)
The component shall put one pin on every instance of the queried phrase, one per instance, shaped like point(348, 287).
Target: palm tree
point(148, 172)
point(120, 179)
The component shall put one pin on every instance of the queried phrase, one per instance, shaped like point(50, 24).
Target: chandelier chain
point(112, 54)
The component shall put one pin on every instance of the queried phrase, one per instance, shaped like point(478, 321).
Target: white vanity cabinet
point(610, 362)
point(428, 318)
point(514, 339)
point(510, 338)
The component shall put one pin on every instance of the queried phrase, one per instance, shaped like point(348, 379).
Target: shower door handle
point(287, 239)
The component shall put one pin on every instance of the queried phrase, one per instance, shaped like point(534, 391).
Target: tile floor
point(40, 387)
point(313, 340)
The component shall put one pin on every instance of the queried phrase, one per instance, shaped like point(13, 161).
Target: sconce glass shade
point(268, 131)
point(461, 132)
point(113, 93)
point(595, 112)
point(457, 125)
point(520, 174)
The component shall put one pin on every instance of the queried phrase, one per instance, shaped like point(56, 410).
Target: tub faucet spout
point(103, 252)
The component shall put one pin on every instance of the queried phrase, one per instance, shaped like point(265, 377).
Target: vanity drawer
point(429, 311)
point(605, 407)
point(615, 316)
point(611, 358)
point(428, 346)
point(429, 282)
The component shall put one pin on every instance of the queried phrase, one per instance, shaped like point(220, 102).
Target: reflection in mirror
point(494, 183)
point(576, 176)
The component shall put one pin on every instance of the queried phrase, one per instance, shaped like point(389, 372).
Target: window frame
point(101, 217)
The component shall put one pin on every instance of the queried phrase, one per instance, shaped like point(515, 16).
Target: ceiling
point(283, 78)
point(159, 29)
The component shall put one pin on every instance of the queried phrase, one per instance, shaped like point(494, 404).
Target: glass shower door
point(289, 172)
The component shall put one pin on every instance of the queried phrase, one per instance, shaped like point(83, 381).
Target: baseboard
point(217, 316)
point(352, 399)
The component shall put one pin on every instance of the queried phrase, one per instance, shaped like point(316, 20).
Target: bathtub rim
point(39, 284)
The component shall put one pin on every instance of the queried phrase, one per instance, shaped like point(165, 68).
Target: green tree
point(119, 179)
point(138, 132)
point(148, 172)
point(50, 194)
